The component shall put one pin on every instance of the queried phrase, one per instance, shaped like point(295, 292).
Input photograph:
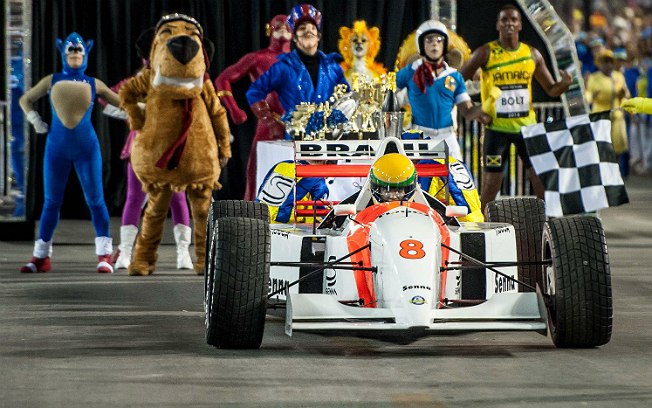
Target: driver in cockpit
point(392, 177)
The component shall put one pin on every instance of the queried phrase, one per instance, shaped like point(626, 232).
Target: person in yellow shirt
point(510, 65)
point(606, 89)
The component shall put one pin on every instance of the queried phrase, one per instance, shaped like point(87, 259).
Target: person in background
point(304, 75)
point(72, 142)
point(434, 89)
point(253, 65)
point(136, 197)
point(510, 65)
point(606, 90)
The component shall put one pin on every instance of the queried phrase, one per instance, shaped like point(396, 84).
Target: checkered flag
point(576, 162)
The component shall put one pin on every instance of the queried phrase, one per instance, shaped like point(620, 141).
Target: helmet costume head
point(393, 177)
point(74, 43)
point(304, 13)
point(431, 27)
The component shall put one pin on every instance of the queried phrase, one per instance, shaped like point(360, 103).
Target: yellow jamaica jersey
point(512, 72)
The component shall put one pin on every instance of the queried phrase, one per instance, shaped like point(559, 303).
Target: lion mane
point(373, 36)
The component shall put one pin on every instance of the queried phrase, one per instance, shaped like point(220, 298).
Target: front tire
point(577, 284)
point(220, 209)
point(238, 293)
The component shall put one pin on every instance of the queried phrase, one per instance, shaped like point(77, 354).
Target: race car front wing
point(501, 312)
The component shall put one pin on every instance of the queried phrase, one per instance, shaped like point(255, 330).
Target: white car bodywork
point(415, 285)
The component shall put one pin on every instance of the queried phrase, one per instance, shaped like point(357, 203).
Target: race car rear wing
point(351, 153)
point(365, 150)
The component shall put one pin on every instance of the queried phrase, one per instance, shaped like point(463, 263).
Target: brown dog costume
point(182, 134)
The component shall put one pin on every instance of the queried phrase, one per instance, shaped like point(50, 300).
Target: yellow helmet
point(393, 177)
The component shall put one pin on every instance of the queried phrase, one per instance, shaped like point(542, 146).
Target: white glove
point(35, 119)
point(114, 112)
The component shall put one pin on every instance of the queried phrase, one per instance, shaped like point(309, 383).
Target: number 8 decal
point(412, 249)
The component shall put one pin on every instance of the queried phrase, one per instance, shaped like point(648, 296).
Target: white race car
point(405, 269)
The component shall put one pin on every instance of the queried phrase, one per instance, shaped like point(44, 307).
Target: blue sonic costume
point(71, 143)
point(296, 77)
point(278, 192)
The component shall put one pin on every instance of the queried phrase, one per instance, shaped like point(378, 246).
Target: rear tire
point(528, 217)
point(577, 284)
point(220, 209)
point(240, 284)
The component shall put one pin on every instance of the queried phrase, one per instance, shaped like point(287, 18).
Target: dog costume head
point(179, 56)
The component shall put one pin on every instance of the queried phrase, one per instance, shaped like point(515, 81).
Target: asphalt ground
point(74, 338)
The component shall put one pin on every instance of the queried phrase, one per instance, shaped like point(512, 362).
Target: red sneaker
point(104, 265)
point(37, 265)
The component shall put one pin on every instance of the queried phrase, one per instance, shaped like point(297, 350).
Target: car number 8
point(412, 249)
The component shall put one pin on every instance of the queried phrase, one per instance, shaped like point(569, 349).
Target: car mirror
point(345, 209)
point(456, 210)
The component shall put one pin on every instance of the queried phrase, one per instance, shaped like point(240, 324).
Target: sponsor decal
point(504, 284)
point(276, 190)
point(418, 300)
point(461, 176)
point(277, 284)
point(364, 148)
point(331, 279)
point(280, 233)
point(408, 287)
point(502, 230)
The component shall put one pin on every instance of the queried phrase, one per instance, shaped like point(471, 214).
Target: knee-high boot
point(182, 237)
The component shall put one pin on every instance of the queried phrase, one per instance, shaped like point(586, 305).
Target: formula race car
point(404, 268)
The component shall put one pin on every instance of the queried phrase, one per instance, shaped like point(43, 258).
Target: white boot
point(127, 238)
point(182, 238)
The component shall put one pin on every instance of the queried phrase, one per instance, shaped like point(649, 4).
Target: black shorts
point(496, 149)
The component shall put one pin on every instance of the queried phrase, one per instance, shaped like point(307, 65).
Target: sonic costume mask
point(74, 43)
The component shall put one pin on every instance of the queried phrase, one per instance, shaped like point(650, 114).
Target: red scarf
point(171, 157)
point(423, 76)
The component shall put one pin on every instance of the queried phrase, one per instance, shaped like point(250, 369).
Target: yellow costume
point(359, 46)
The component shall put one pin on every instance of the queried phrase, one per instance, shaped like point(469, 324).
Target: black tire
point(577, 284)
point(527, 215)
point(220, 209)
point(236, 319)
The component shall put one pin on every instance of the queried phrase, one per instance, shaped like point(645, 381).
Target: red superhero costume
point(254, 65)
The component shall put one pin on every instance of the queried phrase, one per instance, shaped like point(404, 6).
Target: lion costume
point(182, 134)
point(359, 46)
